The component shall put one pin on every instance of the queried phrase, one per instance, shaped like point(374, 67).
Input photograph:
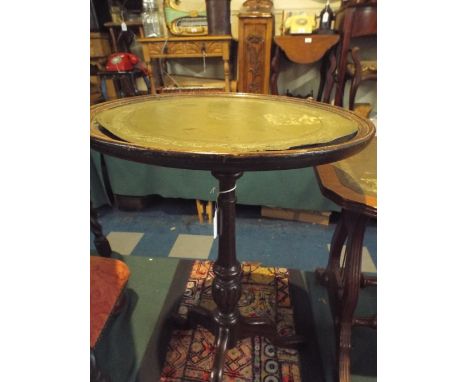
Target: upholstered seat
point(108, 280)
point(367, 67)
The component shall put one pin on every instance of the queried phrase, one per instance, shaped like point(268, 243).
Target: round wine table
point(351, 183)
point(227, 134)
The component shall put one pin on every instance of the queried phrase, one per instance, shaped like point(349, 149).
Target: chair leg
point(329, 77)
point(356, 80)
point(100, 241)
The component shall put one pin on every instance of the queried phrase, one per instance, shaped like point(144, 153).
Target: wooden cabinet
point(254, 53)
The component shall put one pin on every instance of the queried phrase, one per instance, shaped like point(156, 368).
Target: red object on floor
point(108, 280)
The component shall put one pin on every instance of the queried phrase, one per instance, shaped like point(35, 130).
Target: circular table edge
point(247, 161)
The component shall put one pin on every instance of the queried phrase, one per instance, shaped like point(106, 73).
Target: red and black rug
point(266, 292)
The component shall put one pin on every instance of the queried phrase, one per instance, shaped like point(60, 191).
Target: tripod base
point(227, 336)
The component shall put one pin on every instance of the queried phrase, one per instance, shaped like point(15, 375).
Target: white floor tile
point(192, 246)
point(124, 242)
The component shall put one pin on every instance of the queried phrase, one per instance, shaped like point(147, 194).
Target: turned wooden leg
point(199, 210)
point(225, 322)
point(100, 241)
point(209, 211)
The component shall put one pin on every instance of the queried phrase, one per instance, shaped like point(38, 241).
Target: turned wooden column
point(100, 241)
point(254, 52)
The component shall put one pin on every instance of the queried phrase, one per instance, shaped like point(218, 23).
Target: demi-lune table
point(228, 134)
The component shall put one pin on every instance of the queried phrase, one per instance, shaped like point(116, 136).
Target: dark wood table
point(228, 134)
point(305, 49)
point(351, 183)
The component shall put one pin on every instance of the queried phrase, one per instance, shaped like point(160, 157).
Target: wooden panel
point(99, 45)
point(255, 39)
point(186, 48)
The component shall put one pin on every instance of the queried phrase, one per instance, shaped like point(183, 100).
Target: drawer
point(186, 48)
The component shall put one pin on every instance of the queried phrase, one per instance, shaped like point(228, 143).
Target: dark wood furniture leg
point(275, 67)
point(329, 77)
point(343, 284)
point(100, 241)
point(95, 372)
point(225, 322)
point(324, 69)
point(356, 79)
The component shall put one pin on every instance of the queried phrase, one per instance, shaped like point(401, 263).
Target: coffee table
point(228, 134)
point(351, 183)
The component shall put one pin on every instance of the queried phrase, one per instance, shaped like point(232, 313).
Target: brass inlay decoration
point(223, 124)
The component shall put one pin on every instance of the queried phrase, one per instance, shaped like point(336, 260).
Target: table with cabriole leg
point(228, 134)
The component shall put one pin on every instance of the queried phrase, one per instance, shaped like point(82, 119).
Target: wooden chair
point(356, 18)
point(359, 71)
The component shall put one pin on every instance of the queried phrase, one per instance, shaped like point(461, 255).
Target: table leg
point(225, 322)
point(100, 241)
point(327, 70)
point(343, 283)
point(227, 81)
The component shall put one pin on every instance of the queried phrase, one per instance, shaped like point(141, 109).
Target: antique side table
point(163, 48)
point(304, 49)
point(227, 134)
point(352, 184)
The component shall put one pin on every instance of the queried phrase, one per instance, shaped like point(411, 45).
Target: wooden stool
point(108, 280)
point(351, 183)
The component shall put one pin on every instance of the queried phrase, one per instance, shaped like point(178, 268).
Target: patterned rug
point(265, 293)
